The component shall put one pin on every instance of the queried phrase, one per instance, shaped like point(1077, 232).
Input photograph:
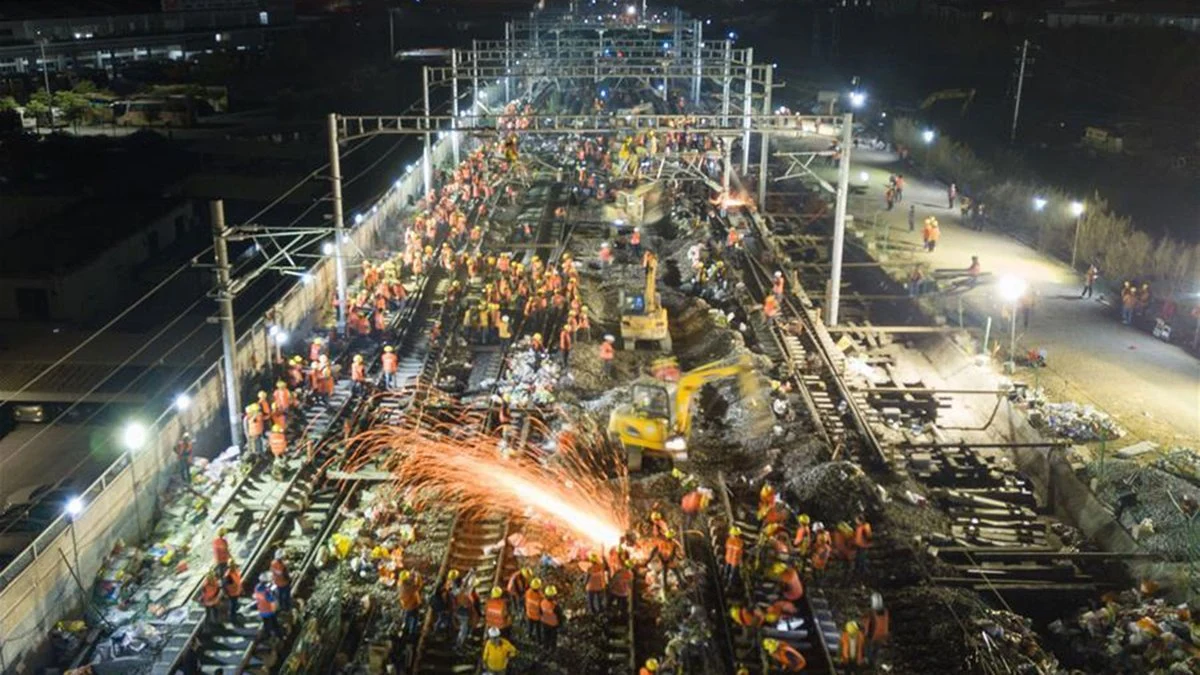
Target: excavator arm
point(651, 291)
point(741, 366)
point(967, 95)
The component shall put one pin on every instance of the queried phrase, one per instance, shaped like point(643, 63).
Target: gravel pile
point(1079, 423)
point(832, 492)
point(1146, 493)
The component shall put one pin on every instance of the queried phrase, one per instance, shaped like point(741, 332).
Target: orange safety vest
point(410, 596)
point(358, 372)
point(549, 610)
point(279, 574)
point(733, 550)
point(283, 399)
point(621, 583)
point(635, 238)
point(803, 539)
point(793, 588)
point(595, 578)
point(533, 605)
point(390, 361)
point(233, 583)
point(789, 659)
point(606, 351)
point(264, 602)
point(770, 307)
point(852, 648)
point(691, 502)
point(220, 550)
point(862, 535)
point(254, 424)
point(210, 593)
point(278, 443)
point(877, 627)
point(564, 340)
point(495, 613)
point(747, 618)
point(822, 548)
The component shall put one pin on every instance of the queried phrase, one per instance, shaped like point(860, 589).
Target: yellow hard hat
point(358, 358)
point(280, 384)
point(526, 572)
point(405, 575)
point(778, 569)
point(766, 490)
point(537, 336)
point(278, 428)
point(551, 591)
point(388, 348)
point(535, 584)
point(221, 532)
point(652, 665)
point(669, 533)
point(851, 627)
point(452, 575)
point(262, 394)
point(497, 592)
point(803, 518)
point(594, 557)
point(735, 531)
point(770, 644)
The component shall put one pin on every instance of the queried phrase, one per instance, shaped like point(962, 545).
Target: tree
point(75, 107)
point(8, 103)
point(37, 107)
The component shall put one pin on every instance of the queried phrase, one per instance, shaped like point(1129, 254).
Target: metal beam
point(892, 329)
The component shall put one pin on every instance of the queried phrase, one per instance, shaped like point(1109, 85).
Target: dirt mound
point(832, 492)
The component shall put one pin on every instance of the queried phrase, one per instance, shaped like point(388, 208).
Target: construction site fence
point(52, 578)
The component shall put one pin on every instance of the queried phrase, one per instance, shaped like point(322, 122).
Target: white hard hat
point(610, 338)
point(876, 602)
point(778, 273)
point(280, 553)
point(493, 632)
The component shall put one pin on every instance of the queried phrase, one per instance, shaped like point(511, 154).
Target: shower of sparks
point(727, 201)
point(447, 451)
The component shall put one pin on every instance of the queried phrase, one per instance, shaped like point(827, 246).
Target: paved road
point(1152, 387)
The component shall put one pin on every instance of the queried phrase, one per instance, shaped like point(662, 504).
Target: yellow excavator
point(657, 422)
point(967, 95)
point(642, 315)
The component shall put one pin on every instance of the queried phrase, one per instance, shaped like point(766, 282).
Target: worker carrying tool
point(497, 652)
point(789, 659)
point(518, 583)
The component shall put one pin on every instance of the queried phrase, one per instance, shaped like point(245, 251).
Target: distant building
point(88, 260)
point(1160, 14)
point(87, 33)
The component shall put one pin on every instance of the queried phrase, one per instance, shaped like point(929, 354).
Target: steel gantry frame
point(565, 48)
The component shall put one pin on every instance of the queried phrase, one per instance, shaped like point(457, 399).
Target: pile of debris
point(832, 492)
point(1181, 462)
point(1079, 423)
point(1133, 633)
point(530, 379)
point(1150, 502)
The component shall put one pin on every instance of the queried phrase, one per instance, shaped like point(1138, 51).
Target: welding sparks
point(727, 201)
point(487, 472)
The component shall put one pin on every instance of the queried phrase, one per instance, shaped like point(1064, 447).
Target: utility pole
point(1020, 86)
point(225, 306)
point(391, 33)
point(839, 221)
point(46, 79)
point(339, 224)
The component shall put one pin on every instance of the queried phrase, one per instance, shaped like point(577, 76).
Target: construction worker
point(822, 549)
point(390, 363)
point(862, 541)
point(316, 349)
point(749, 620)
point(282, 579)
point(295, 372)
point(497, 652)
point(551, 618)
point(183, 455)
point(252, 426)
point(843, 546)
point(533, 610)
point(410, 587)
point(766, 500)
point(323, 380)
point(607, 353)
point(852, 647)
point(621, 586)
point(777, 285)
point(606, 254)
point(518, 583)
point(693, 504)
point(595, 584)
point(358, 375)
point(231, 583)
point(635, 242)
point(277, 441)
point(220, 547)
point(265, 603)
point(281, 403)
point(495, 611)
point(504, 329)
point(466, 606)
point(802, 542)
point(649, 668)
point(770, 307)
point(876, 625)
point(789, 659)
point(264, 404)
point(790, 584)
point(734, 547)
point(210, 599)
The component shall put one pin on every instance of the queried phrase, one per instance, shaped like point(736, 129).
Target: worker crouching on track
point(785, 656)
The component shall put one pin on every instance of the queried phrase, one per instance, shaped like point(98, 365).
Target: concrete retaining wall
point(38, 588)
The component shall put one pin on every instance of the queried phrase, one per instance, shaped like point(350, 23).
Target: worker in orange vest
point(620, 586)
point(551, 618)
point(495, 610)
point(264, 404)
point(877, 627)
point(862, 542)
point(281, 403)
point(564, 344)
point(358, 375)
point(220, 547)
point(231, 583)
point(265, 603)
point(316, 349)
point(693, 504)
point(777, 285)
point(770, 307)
point(843, 545)
point(518, 583)
point(282, 579)
point(210, 599)
point(802, 542)
point(852, 647)
point(183, 453)
point(277, 441)
point(734, 548)
point(323, 379)
point(635, 241)
point(252, 425)
point(607, 353)
point(410, 587)
point(533, 610)
point(789, 659)
point(390, 363)
point(822, 549)
point(595, 583)
point(749, 620)
point(789, 581)
point(649, 668)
